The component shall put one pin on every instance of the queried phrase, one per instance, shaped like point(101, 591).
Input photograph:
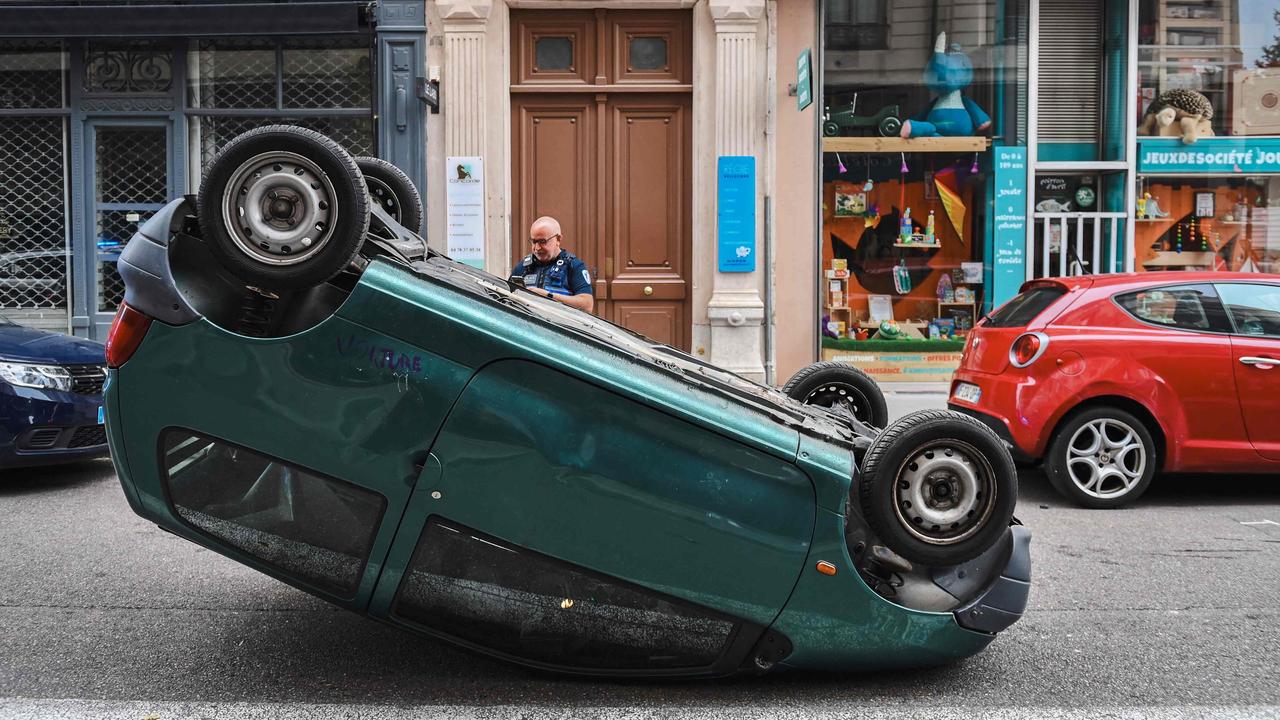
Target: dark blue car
point(50, 397)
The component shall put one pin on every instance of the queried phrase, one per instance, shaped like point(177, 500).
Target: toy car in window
point(300, 384)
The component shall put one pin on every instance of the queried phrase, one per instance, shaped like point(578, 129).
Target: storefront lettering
point(1222, 154)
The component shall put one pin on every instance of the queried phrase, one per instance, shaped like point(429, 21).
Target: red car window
point(1185, 307)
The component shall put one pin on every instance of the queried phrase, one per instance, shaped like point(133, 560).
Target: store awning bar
point(186, 20)
point(896, 144)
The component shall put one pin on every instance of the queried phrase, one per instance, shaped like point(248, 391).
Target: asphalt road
point(1164, 610)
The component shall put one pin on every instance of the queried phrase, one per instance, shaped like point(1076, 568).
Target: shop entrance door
point(130, 178)
point(601, 133)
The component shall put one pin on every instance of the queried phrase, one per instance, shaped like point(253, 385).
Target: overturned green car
point(300, 384)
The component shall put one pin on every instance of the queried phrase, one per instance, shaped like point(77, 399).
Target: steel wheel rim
point(1106, 458)
point(386, 198)
point(279, 208)
point(944, 492)
point(841, 396)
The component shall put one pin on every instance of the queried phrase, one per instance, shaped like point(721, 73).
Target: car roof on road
point(1164, 277)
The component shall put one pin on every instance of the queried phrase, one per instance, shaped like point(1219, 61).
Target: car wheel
point(283, 208)
point(842, 387)
point(394, 192)
point(1102, 458)
point(938, 487)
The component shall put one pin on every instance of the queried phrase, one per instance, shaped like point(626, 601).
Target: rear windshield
point(1024, 308)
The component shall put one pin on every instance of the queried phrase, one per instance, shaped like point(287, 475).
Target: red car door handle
point(1262, 363)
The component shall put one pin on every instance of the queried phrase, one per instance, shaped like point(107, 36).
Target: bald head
point(544, 234)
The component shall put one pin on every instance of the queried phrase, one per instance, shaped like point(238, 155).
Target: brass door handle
point(648, 289)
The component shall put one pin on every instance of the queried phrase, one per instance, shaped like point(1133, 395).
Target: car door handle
point(1262, 363)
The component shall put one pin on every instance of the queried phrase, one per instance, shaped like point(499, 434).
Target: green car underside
point(449, 398)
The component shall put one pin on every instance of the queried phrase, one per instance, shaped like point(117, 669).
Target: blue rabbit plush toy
point(951, 113)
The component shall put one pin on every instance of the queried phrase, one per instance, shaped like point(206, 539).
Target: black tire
point(825, 384)
point(394, 192)
point(956, 469)
point(326, 192)
point(1120, 480)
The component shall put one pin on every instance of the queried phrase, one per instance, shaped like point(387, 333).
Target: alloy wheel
point(1106, 458)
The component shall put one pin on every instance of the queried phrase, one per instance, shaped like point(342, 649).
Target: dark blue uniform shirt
point(564, 274)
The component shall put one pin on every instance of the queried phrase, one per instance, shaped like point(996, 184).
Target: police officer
point(554, 272)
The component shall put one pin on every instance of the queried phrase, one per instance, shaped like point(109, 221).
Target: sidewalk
point(909, 397)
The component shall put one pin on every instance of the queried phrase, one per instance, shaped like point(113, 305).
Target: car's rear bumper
point(47, 427)
point(1004, 601)
point(1003, 394)
point(998, 426)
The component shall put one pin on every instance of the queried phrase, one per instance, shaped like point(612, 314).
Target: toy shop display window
point(901, 247)
point(1199, 223)
point(1208, 67)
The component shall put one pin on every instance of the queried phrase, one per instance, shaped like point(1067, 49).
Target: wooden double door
point(601, 141)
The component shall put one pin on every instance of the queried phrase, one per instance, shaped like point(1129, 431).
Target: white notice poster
point(464, 198)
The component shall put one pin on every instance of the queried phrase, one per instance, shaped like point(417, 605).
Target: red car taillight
point(1027, 348)
point(127, 331)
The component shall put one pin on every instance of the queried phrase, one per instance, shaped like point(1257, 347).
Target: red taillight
point(127, 331)
point(1027, 348)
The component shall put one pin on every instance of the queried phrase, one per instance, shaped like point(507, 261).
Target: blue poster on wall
point(736, 213)
point(1009, 241)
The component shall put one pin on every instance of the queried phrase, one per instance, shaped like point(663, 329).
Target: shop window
point(1254, 308)
point(1185, 308)
point(553, 53)
point(1198, 223)
point(908, 173)
point(856, 25)
point(324, 73)
point(647, 53)
point(33, 75)
point(1220, 55)
point(311, 527)
point(525, 604)
point(228, 73)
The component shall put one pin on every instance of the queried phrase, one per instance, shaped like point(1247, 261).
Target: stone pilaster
point(736, 311)
point(462, 91)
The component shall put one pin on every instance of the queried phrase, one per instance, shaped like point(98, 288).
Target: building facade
point(734, 172)
point(108, 110)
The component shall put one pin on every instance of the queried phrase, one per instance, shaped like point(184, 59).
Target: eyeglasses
point(543, 241)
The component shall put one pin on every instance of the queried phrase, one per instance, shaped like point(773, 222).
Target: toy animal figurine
point(1179, 113)
point(1153, 208)
point(951, 114)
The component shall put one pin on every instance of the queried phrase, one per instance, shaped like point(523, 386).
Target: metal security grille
point(324, 84)
point(33, 214)
point(33, 254)
point(353, 133)
point(326, 74)
point(131, 183)
point(233, 74)
point(32, 75)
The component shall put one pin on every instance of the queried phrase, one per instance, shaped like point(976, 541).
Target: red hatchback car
point(1109, 378)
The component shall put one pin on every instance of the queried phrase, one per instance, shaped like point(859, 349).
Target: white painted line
point(1259, 522)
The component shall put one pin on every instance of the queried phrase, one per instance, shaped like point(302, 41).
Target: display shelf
point(896, 144)
point(1230, 222)
point(1186, 258)
point(1163, 219)
point(917, 245)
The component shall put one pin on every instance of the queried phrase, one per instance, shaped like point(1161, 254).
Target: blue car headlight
point(49, 377)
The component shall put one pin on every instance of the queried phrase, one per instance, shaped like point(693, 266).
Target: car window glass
point(314, 528)
point(1188, 307)
point(1024, 308)
point(1254, 307)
